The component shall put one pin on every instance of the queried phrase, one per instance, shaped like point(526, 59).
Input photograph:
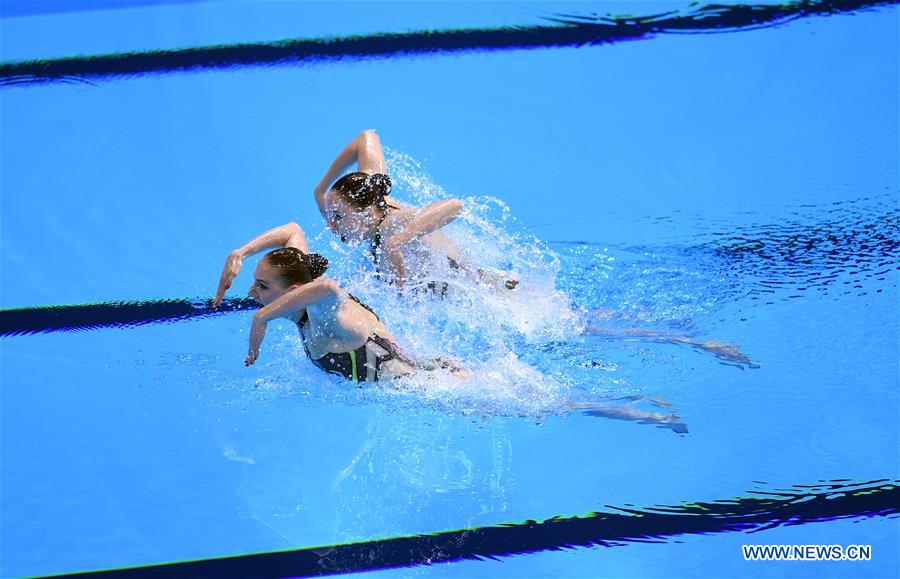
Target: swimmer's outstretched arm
point(365, 151)
point(294, 300)
point(288, 235)
point(426, 220)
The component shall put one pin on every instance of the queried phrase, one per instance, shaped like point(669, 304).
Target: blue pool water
point(740, 186)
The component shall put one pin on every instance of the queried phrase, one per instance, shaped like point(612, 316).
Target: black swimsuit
point(349, 364)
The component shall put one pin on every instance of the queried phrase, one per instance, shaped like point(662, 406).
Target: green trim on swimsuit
point(353, 365)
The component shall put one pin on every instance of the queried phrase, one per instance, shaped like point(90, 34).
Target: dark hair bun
point(363, 191)
point(316, 264)
point(379, 184)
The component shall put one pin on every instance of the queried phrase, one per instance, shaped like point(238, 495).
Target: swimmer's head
point(356, 202)
point(281, 270)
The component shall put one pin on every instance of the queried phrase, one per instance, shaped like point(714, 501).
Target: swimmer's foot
point(461, 373)
point(497, 279)
point(675, 423)
point(724, 351)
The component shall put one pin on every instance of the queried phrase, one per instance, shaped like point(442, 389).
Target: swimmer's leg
point(722, 350)
point(671, 421)
point(655, 400)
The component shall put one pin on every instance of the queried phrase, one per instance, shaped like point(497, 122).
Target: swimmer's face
point(267, 286)
point(345, 220)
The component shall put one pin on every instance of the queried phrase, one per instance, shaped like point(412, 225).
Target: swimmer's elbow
point(317, 290)
point(456, 206)
point(450, 210)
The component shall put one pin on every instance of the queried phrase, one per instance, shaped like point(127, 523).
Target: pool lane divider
point(39, 320)
point(619, 526)
point(566, 30)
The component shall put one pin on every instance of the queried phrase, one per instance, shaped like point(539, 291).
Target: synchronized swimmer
point(358, 208)
point(340, 334)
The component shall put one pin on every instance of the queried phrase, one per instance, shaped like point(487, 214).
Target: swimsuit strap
point(357, 300)
point(304, 319)
point(376, 238)
point(393, 351)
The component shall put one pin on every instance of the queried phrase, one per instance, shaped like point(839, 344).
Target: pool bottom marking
point(801, 504)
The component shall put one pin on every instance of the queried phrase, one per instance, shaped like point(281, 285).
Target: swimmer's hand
point(257, 334)
point(232, 268)
point(497, 279)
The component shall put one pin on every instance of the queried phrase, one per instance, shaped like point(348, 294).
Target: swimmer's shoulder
point(398, 216)
point(329, 299)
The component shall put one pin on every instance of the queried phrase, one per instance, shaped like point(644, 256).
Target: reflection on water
point(423, 459)
point(848, 248)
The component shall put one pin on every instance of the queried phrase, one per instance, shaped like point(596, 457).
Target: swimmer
point(723, 350)
point(340, 334)
point(358, 207)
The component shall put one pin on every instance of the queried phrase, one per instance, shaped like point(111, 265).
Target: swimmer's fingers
point(251, 358)
point(231, 270)
point(220, 295)
point(257, 334)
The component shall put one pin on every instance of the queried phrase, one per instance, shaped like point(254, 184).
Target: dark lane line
point(802, 504)
point(566, 31)
point(39, 320)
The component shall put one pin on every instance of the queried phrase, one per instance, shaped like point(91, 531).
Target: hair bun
point(362, 190)
point(379, 184)
point(316, 264)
